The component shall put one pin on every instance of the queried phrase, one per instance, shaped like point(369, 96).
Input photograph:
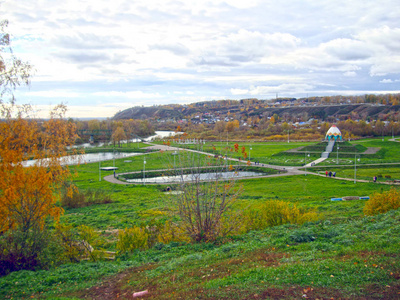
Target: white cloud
point(239, 91)
point(385, 37)
point(385, 65)
point(350, 74)
point(146, 50)
point(283, 88)
point(53, 94)
point(130, 94)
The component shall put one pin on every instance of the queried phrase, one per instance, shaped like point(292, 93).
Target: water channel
point(87, 158)
point(158, 134)
point(192, 177)
point(96, 157)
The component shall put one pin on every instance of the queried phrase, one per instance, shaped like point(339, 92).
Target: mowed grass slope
point(343, 255)
point(357, 259)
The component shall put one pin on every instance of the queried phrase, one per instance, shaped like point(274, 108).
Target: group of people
point(333, 174)
point(330, 174)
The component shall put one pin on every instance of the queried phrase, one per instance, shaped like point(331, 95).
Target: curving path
point(288, 171)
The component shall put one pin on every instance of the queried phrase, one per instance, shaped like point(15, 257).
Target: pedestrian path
point(328, 149)
point(315, 162)
point(286, 171)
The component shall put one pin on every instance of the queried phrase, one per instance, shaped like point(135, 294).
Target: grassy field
point(357, 259)
point(265, 153)
point(275, 153)
point(342, 255)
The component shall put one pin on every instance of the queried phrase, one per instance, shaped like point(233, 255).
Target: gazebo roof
point(333, 132)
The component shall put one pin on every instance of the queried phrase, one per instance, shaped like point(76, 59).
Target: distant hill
point(177, 112)
point(151, 112)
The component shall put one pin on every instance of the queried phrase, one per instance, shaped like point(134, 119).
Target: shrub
point(170, 232)
point(382, 202)
point(26, 250)
point(67, 239)
point(302, 236)
point(76, 199)
point(133, 238)
point(274, 213)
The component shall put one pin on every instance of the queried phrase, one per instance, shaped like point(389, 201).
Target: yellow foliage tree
point(232, 125)
point(28, 193)
point(118, 135)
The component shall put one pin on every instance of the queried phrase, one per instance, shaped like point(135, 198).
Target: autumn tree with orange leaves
point(29, 190)
point(32, 169)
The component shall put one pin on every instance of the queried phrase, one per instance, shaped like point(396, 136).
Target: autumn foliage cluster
point(380, 203)
point(28, 194)
point(33, 172)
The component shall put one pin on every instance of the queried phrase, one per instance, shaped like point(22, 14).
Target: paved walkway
point(287, 171)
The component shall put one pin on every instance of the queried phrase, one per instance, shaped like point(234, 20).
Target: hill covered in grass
point(354, 259)
point(222, 109)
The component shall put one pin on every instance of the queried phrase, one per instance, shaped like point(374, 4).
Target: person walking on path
point(334, 174)
point(375, 178)
point(326, 173)
point(330, 174)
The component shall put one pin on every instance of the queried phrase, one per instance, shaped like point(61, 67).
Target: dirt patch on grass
point(188, 281)
point(114, 287)
point(371, 150)
point(295, 149)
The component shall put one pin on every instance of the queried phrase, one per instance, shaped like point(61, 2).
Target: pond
point(96, 157)
point(192, 177)
point(87, 158)
point(158, 134)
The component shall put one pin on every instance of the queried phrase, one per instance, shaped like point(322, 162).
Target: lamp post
point(355, 167)
point(305, 164)
point(337, 154)
point(174, 154)
point(144, 171)
point(99, 169)
point(288, 135)
point(250, 153)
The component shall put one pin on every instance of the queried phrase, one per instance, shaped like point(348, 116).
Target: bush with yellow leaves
point(382, 202)
point(171, 232)
point(133, 238)
point(274, 213)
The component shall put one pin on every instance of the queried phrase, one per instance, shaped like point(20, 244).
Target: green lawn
point(354, 259)
point(343, 254)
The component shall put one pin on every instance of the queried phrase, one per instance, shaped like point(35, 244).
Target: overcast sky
point(99, 57)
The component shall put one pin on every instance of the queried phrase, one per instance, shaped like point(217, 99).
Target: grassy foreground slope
point(357, 259)
point(343, 255)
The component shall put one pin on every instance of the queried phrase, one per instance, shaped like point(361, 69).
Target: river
point(103, 156)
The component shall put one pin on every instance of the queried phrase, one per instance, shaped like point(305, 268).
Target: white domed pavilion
point(333, 133)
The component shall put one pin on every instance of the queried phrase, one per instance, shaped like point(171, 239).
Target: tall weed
point(131, 239)
point(171, 232)
point(382, 202)
point(273, 213)
point(76, 199)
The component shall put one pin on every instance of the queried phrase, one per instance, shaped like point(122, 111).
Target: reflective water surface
point(88, 158)
point(192, 177)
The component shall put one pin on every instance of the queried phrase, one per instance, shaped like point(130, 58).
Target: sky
point(100, 57)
